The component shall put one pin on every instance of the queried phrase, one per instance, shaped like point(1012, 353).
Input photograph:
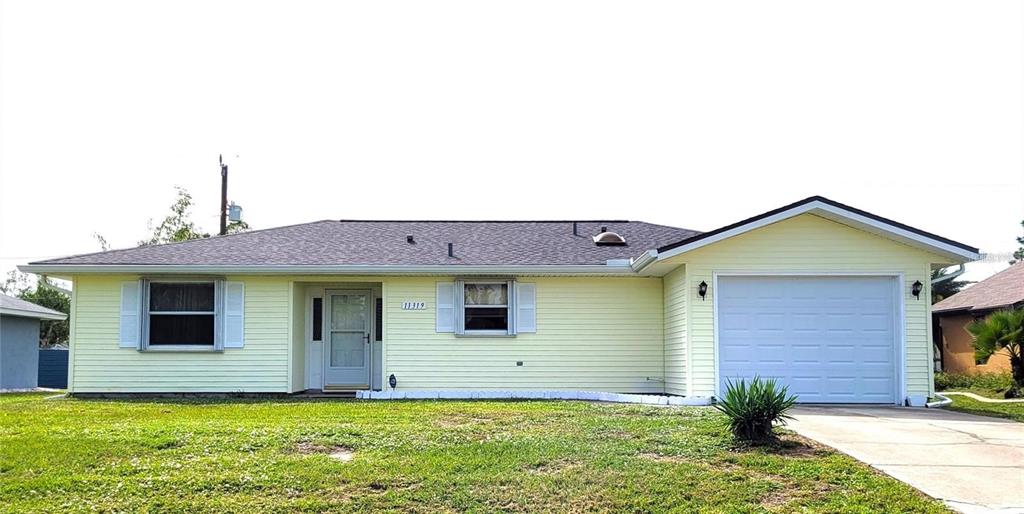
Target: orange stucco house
point(1004, 290)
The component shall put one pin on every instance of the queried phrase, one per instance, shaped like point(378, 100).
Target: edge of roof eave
point(819, 205)
point(352, 269)
point(22, 313)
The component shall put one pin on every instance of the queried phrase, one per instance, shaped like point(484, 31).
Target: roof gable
point(834, 211)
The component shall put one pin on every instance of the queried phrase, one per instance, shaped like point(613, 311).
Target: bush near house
point(1002, 330)
point(984, 384)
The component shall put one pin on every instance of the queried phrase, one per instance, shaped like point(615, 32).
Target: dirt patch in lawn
point(552, 467)
point(793, 445)
point(657, 457)
point(787, 445)
point(336, 452)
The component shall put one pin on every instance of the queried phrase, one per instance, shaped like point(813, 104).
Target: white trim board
point(596, 396)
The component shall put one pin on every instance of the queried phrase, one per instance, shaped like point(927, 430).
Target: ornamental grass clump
point(754, 408)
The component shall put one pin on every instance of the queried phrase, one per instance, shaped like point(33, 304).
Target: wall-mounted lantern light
point(392, 381)
point(702, 289)
point(915, 289)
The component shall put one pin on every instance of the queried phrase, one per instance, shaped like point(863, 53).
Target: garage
point(831, 339)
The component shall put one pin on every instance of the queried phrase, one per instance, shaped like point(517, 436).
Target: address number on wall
point(414, 306)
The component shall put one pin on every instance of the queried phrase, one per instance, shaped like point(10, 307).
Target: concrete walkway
point(982, 398)
point(973, 463)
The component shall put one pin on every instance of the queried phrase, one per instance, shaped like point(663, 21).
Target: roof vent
point(607, 238)
point(409, 239)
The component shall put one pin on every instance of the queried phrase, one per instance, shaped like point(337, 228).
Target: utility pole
point(223, 196)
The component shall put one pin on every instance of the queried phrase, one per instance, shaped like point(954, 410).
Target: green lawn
point(70, 455)
point(1014, 411)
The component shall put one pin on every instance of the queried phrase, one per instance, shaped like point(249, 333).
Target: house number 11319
point(414, 306)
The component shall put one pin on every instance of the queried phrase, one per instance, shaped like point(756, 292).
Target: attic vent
point(609, 239)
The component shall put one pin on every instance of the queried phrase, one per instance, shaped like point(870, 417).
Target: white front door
point(830, 339)
point(347, 341)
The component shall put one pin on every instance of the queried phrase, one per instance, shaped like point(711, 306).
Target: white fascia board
point(72, 269)
point(7, 311)
point(832, 212)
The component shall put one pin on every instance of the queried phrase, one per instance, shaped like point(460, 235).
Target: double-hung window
point(181, 314)
point(486, 307)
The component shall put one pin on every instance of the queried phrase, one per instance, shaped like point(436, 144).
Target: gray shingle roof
point(19, 307)
point(1003, 289)
point(348, 242)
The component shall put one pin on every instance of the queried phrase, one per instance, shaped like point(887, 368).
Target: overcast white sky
point(692, 114)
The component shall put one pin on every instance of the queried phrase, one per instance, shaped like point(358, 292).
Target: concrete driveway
point(973, 463)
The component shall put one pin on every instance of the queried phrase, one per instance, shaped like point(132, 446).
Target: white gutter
point(354, 269)
point(645, 259)
point(951, 276)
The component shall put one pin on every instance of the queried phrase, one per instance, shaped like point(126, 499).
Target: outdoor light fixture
point(915, 289)
point(392, 381)
point(702, 289)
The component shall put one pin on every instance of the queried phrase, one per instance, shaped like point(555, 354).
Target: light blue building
point(19, 341)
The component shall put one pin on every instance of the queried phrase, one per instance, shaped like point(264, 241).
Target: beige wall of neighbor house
point(958, 348)
point(803, 244)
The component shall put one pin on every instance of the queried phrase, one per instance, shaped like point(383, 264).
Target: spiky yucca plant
point(754, 408)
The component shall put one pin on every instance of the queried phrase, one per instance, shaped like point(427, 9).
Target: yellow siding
point(807, 243)
point(99, 365)
point(675, 331)
point(592, 334)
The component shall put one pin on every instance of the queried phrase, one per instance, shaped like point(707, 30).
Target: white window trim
point(217, 312)
point(460, 309)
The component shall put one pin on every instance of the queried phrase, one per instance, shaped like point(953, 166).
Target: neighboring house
point(1004, 290)
point(831, 299)
point(19, 341)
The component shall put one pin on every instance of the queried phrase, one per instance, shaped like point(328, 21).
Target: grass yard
point(70, 455)
point(1014, 411)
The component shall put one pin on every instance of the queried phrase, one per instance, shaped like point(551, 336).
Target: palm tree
point(1002, 330)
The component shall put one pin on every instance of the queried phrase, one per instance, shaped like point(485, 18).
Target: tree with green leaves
point(1002, 330)
point(237, 227)
point(1018, 254)
point(178, 225)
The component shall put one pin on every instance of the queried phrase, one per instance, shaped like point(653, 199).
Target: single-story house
point(830, 299)
point(19, 341)
point(1004, 290)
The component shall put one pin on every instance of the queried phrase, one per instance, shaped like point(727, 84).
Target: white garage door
point(830, 339)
